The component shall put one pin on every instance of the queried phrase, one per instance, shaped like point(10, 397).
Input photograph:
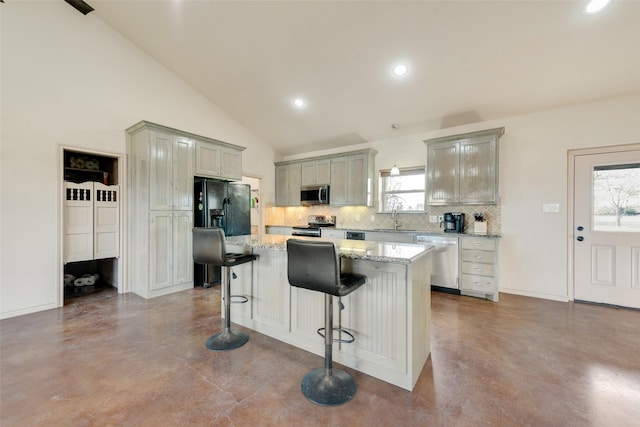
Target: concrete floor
point(120, 360)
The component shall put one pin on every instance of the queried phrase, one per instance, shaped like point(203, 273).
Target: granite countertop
point(399, 253)
point(421, 232)
point(408, 231)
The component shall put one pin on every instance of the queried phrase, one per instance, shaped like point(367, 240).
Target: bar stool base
point(328, 390)
point(227, 340)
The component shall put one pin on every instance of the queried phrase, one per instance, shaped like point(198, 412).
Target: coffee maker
point(453, 222)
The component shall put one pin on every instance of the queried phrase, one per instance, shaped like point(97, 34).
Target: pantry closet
point(91, 227)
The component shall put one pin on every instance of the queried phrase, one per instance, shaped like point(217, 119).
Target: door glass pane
point(616, 198)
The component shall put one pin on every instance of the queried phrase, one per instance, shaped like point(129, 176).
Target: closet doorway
point(92, 223)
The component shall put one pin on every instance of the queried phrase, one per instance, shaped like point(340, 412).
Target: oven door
point(306, 231)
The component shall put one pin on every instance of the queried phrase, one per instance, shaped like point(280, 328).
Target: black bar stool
point(315, 265)
point(209, 248)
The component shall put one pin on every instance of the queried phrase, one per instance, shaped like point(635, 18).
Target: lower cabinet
point(385, 236)
point(479, 267)
point(279, 230)
point(332, 233)
point(170, 262)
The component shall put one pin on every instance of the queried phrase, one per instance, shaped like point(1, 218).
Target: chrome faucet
point(394, 215)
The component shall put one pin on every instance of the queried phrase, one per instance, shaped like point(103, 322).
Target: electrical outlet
point(433, 218)
point(357, 218)
point(373, 218)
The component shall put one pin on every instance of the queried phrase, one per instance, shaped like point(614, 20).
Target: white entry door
point(606, 227)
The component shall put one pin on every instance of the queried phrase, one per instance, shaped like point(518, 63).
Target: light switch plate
point(551, 207)
point(433, 218)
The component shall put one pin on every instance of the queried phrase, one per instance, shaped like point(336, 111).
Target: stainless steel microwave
point(314, 195)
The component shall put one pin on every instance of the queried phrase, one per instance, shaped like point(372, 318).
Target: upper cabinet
point(349, 175)
point(288, 184)
point(463, 169)
point(316, 172)
point(352, 179)
point(171, 171)
point(215, 159)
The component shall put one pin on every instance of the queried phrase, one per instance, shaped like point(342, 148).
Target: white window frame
point(385, 174)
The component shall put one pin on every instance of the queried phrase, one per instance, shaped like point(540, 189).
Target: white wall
point(70, 80)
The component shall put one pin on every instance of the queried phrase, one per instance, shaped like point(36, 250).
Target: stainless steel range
point(314, 224)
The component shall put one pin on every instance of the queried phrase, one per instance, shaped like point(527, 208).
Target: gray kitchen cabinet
point(479, 267)
point(316, 172)
point(171, 171)
point(352, 179)
point(160, 209)
point(288, 184)
point(350, 176)
point(389, 236)
point(215, 159)
point(463, 169)
point(332, 233)
point(279, 230)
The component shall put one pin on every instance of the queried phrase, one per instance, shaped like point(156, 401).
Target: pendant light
point(394, 170)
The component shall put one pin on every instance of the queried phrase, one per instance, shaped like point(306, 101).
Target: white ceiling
point(469, 61)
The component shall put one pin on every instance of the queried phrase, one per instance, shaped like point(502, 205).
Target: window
point(404, 192)
point(616, 198)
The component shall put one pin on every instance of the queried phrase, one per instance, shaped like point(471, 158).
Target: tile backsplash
point(360, 217)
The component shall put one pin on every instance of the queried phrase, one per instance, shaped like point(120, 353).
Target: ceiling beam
point(80, 6)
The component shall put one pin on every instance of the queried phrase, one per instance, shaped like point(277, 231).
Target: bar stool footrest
point(344, 331)
point(243, 299)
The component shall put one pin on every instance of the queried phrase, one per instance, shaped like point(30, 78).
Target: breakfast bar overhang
point(390, 315)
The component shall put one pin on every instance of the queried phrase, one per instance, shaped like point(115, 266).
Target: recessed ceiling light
point(595, 6)
point(298, 102)
point(400, 70)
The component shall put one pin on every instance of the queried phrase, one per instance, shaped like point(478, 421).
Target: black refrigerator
point(220, 204)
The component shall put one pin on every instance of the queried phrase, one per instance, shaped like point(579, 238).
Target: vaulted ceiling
point(468, 61)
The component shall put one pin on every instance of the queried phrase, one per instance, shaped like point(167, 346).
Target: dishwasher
point(444, 267)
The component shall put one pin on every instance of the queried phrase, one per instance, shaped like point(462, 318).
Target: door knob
point(579, 238)
point(580, 228)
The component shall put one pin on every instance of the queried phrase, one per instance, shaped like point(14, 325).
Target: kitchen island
point(390, 315)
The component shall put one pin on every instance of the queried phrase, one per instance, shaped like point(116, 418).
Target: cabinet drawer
point(485, 257)
point(478, 243)
point(477, 268)
point(478, 283)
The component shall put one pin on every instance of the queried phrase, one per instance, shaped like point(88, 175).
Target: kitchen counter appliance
point(314, 195)
point(314, 224)
point(355, 235)
point(453, 222)
point(444, 262)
